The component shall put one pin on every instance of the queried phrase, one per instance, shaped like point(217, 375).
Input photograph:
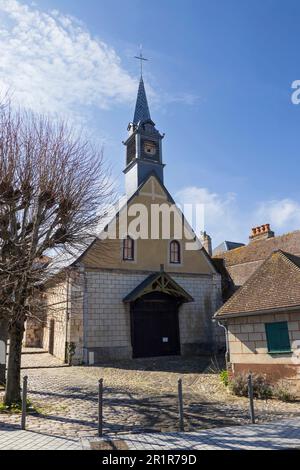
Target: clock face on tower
point(150, 149)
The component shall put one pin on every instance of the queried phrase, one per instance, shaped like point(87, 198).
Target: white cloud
point(225, 219)
point(282, 214)
point(51, 63)
point(220, 213)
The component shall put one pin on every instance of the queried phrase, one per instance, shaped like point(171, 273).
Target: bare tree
point(53, 190)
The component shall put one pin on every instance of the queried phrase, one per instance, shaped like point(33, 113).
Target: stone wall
point(33, 336)
point(248, 345)
point(99, 320)
point(56, 315)
point(107, 318)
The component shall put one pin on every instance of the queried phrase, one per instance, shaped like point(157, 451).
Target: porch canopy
point(159, 282)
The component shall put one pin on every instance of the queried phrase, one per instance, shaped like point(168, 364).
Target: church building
point(135, 296)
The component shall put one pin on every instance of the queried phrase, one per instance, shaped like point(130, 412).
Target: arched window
point(128, 249)
point(175, 252)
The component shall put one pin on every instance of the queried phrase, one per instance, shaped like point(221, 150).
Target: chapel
point(144, 292)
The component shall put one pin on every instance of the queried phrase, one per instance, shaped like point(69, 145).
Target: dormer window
point(175, 255)
point(128, 249)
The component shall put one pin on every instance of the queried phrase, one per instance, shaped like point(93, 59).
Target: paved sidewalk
point(12, 439)
point(275, 436)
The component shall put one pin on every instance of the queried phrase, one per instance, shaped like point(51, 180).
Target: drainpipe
point(227, 357)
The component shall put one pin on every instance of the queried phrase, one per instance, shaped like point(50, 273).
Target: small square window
point(278, 337)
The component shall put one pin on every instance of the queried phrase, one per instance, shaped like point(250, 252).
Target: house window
point(278, 337)
point(175, 252)
point(128, 249)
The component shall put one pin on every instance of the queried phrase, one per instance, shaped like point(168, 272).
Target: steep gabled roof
point(259, 250)
point(275, 285)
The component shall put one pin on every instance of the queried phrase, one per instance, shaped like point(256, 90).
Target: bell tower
point(143, 146)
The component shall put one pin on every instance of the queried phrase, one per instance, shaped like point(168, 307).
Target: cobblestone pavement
point(140, 395)
point(283, 435)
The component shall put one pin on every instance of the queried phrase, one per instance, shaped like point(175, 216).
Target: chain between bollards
point(180, 406)
point(251, 401)
point(24, 403)
point(100, 408)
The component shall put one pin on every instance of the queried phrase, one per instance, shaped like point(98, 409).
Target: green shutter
point(278, 337)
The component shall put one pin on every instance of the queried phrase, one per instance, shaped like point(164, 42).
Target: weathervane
point(141, 58)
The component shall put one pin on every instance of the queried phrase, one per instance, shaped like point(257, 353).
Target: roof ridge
point(287, 256)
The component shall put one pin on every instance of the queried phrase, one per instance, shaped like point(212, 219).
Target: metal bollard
point(180, 406)
point(24, 403)
point(100, 408)
point(251, 402)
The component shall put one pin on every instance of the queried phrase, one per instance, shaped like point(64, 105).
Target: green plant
point(261, 387)
point(16, 408)
point(224, 377)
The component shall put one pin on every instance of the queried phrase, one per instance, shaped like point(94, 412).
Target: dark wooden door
point(51, 336)
point(154, 326)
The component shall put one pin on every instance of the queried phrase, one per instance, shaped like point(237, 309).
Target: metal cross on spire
point(141, 58)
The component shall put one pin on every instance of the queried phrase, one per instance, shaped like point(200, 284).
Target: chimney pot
point(261, 232)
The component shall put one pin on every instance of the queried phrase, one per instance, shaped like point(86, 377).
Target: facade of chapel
point(135, 296)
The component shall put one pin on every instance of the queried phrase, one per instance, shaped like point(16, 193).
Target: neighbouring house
point(240, 263)
point(262, 319)
point(135, 297)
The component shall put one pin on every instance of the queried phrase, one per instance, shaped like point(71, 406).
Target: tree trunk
point(3, 347)
point(13, 385)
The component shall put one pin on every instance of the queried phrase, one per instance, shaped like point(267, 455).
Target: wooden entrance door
point(154, 326)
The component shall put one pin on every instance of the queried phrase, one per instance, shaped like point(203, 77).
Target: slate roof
point(142, 112)
point(259, 250)
point(275, 285)
point(226, 246)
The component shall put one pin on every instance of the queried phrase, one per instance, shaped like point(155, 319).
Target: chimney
point(206, 242)
point(261, 233)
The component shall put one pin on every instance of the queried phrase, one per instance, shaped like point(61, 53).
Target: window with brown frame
point(175, 257)
point(128, 249)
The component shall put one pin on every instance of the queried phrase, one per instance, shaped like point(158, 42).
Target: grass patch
point(16, 408)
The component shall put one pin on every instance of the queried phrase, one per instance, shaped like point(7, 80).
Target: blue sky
point(219, 85)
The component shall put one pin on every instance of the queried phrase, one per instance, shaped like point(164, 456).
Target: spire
point(142, 112)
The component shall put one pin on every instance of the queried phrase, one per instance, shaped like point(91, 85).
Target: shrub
point(224, 377)
point(282, 392)
point(261, 387)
